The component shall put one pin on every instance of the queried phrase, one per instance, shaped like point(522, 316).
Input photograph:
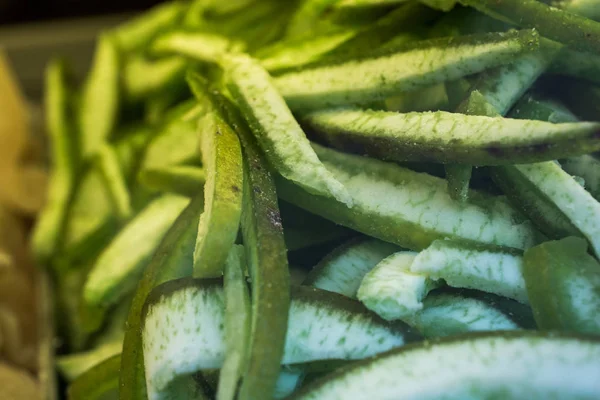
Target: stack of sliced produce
point(330, 199)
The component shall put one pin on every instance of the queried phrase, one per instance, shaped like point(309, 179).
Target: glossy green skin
point(563, 286)
point(99, 383)
point(172, 260)
point(575, 31)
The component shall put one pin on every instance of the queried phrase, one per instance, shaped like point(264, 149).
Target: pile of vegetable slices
point(330, 199)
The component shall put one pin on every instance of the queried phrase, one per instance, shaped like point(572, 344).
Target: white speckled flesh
point(491, 367)
point(392, 291)
point(464, 266)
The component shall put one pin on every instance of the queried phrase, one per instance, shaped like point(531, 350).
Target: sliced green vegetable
point(588, 168)
point(444, 5)
point(366, 3)
point(138, 32)
point(183, 180)
point(585, 8)
point(237, 324)
point(487, 268)
point(563, 283)
point(508, 365)
point(393, 71)
point(114, 180)
point(578, 64)
point(392, 290)
point(408, 208)
point(74, 365)
point(143, 78)
point(282, 140)
point(573, 30)
point(121, 264)
point(431, 98)
point(459, 178)
point(532, 106)
point(173, 259)
point(99, 383)
point(322, 325)
point(308, 18)
point(342, 270)
point(100, 98)
point(51, 224)
point(202, 46)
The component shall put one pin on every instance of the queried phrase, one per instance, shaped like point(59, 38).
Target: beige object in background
point(17, 385)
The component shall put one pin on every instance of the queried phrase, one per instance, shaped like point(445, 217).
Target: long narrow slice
point(490, 269)
point(578, 64)
point(237, 324)
point(392, 290)
point(586, 8)
point(567, 195)
point(183, 180)
point(121, 264)
point(282, 140)
point(138, 32)
point(457, 138)
point(51, 222)
point(588, 168)
point(447, 314)
point(573, 30)
point(220, 221)
point(114, 180)
point(342, 270)
point(100, 98)
point(563, 283)
point(142, 77)
point(419, 65)
point(365, 3)
point(322, 325)
point(99, 383)
point(173, 259)
point(533, 106)
point(73, 366)
point(510, 365)
point(202, 46)
point(408, 208)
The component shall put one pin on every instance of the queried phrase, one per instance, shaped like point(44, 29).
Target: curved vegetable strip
point(408, 208)
point(577, 64)
point(237, 324)
point(183, 180)
point(138, 32)
point(51, 223)
point(121, 264)
point(418, 65)
point(173, 259)
point(220, 221)
point(487, 268)
point(342, 270)
point(100, 97)
point(512, 365)
point(202, 46)
point(98, 383)
point(109, 167)
point(142, 78)
point(472, 139)
point(392, 290)
point(282, 140)
point(575, 31)
point(322, 325)
point(563, 283)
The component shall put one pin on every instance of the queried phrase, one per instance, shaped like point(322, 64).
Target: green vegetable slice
point(511, 365)
point(182, 180)
point(452, 313)
point(202, 46)
point(563, 283)
point(408, 208)
point(443, 5)
point(114, 180)
point(392, 290)
point(491, 269)
point(142, 77)
point(220, 221)
point(51, 224)
point(342, 270)
point(366, 3)
point(578, 64)
point(322, 325)
point(532, 106)
point(72, 366)
point(575, 31)
point(472, 139)
point(585, 8)
point(100, 98)
point(236, 322)
point(459, 178)
point(282, 140)
point(138, 32)
point(388, 73)
point(588, 168)
point(121, 264)
point(99, 383)
point(173, 259)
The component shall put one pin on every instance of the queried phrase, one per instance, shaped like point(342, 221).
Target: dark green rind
point(172, 260)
